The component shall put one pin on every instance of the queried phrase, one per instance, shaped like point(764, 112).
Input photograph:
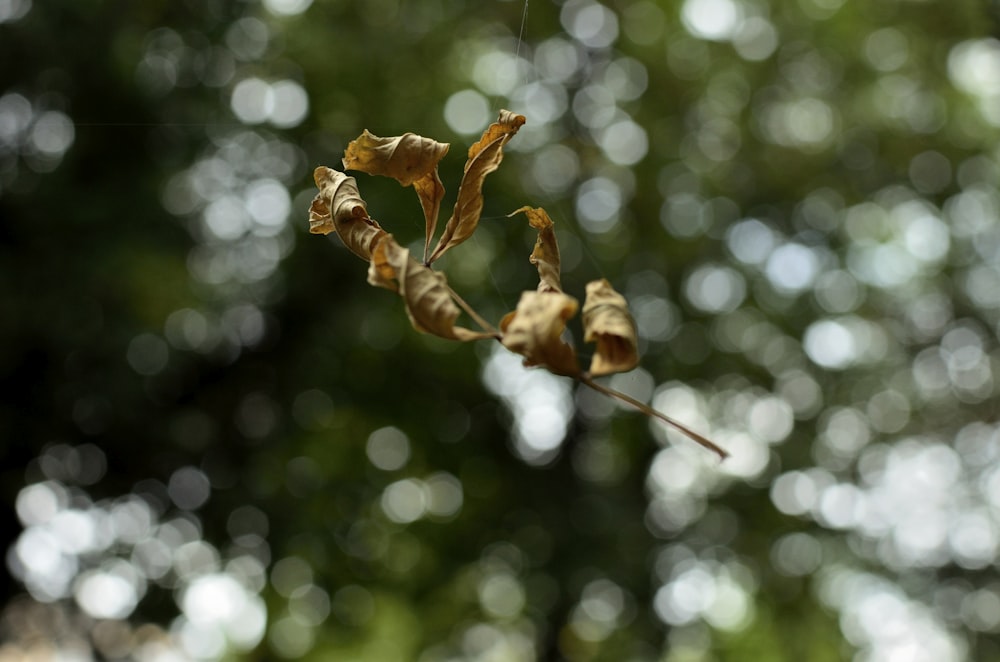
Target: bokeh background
point(219, 443)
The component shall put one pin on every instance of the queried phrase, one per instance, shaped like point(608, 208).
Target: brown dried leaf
point(535, 331)
point(425, 292)
point(411, 160)
point(338, 207)
point(545, 256)
point(484, 157)
point(607, 322)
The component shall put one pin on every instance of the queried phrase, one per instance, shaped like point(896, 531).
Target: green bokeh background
point(135, 343)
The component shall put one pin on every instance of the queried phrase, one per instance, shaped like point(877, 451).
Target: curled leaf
point(425, 292)
point(484, 157)
point(545, 256)
point(411, 160)
point(607, 322)
point(338, 207)
point(405, 158)
point(534, 330)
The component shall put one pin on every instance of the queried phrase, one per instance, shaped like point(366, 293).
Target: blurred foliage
point(220, 443)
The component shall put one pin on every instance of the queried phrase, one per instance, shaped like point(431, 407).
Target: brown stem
point(486, 326)
point(649, 411)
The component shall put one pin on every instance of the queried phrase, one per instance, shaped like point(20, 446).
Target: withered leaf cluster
point(536, 329)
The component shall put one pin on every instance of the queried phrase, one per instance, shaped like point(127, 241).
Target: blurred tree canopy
point(218, 442)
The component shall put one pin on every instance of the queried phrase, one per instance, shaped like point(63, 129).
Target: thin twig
point(649, 411)
point(486, 326)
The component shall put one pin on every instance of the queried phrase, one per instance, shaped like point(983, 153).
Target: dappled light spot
point(798, 492)
point(770, 419)
point(837, 343)
point(751, 241)
point(792, 268)
point(974, 67)
point(287, 7)
point(289, 574)
point(590, 23)
point(801, 391)
point(886, 49)
point(444, 495)
point(501, 595)
point(557, 60)
point(598, 204)
point(837, 291)
point(541, 404)
point(796, 554)
point(388, 448)
point(290, 638)
point(719, 139)
point(467, 112)
point(39, 503)
point(498, 72)
point(251, 100)
point(110, 592)
point(716, 20)
point(808, 124)
point(715, 288)
point(195, 558)
point(888, 411)
point(248, 38)
point(268, 204)
point(830, 344)
point(626, 78)
point(749, 456)
point(845, 431)
point(16, 114)
point(594, 106)
point(284, 103)
point(688, 58)
point(107, 555)
point(404, 501)
point(880, 619)
point(710, 591)
point(756, 39)
point(624, 142)
point(554, 170)
point(548, 101)
point(52, 134)
point(82, 464)
point(655, 318)
point(13, 10)
point(148, 354)
point(685, 214)
point(309, 604)
point(840, 506)
point(39, 562)
point(189, 488)
point(981, 609)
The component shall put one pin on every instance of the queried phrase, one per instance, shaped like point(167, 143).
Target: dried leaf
point(484, 157)
point(425, 292)
point(545, 256)
point(534, 330)
point(338, 207)
point(607, 322)
point(411, 160)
